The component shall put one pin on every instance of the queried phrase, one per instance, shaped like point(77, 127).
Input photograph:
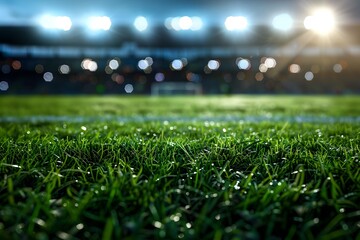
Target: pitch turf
point(250, 167)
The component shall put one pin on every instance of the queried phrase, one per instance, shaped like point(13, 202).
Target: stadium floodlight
point(236, 23)
point(141, 23)
point(99, 23)
point(196, 23)
point(56, 22)
point(184, 23)
point(321, 22)
point(283, 22)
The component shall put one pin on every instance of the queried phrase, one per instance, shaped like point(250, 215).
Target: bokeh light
point(141, 23)
point(263, 68)
point(283, 22)
point(64, 69)
point(159, 77)
point(294, 68)
point(5, 69)
point(184, 23)
point(119, 79)
point(213, 65)
point(114, 64)
point(16, 65)
point(321, 22)
point(39, 68)
point(88, 64)
point(309, 76)
point(99, 23)
point(177, 65)
point(270, 62)
point(243, 64)
point(236, 23)
point(48, 77)
point(337, 68)
point(4, 86)
point(145, 64)
point(129, 88)
point(259, 76)
point(56, 22)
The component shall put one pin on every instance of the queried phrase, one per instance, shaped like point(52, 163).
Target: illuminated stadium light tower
point(99, 23)
point(321, 22)
point(283, 22)
point(141, 23)
point(236, 23)
point(56, 22)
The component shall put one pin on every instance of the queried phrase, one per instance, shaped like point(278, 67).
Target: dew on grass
point(40, 222)
point(11, 165)
point(188, 225)
point(83, 128)
point(342, 210)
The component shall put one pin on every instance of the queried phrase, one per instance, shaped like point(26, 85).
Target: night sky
point(25, 12)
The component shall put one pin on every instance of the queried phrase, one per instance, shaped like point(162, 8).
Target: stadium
point(181, 120)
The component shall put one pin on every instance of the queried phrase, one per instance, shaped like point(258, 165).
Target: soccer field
point(214, 167)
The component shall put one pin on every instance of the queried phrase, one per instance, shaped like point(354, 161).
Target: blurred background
point(179, 47)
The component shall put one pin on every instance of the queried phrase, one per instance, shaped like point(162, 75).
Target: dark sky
point(22, 12)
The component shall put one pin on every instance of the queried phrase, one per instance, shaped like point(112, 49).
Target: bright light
point(283, 22)
point(322, 22)
point(143, 64)
point(89, 64)
point(48, 77)
point(56, 22)
point(309, 76)
point(243, 64)
point(294, 68)
point(129, 88)
point(213, 65)
point(114, 64)
point(141, 23)
point(146, 63)
point(64, 69)
point(270, 62)
point(99, 23)
point(196, 23)
point(236, 23)
point(177, 64)
point(184, 23)
point(263, 68)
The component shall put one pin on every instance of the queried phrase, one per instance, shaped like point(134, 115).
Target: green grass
point(180, 179)
point(180, 106)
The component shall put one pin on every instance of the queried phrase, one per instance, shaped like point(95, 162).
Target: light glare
point(141, 23)
point(213, 65)
point(322, 22)
point(56, 22)
point(99, 23)
point(234, 23)
point(283, 22)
